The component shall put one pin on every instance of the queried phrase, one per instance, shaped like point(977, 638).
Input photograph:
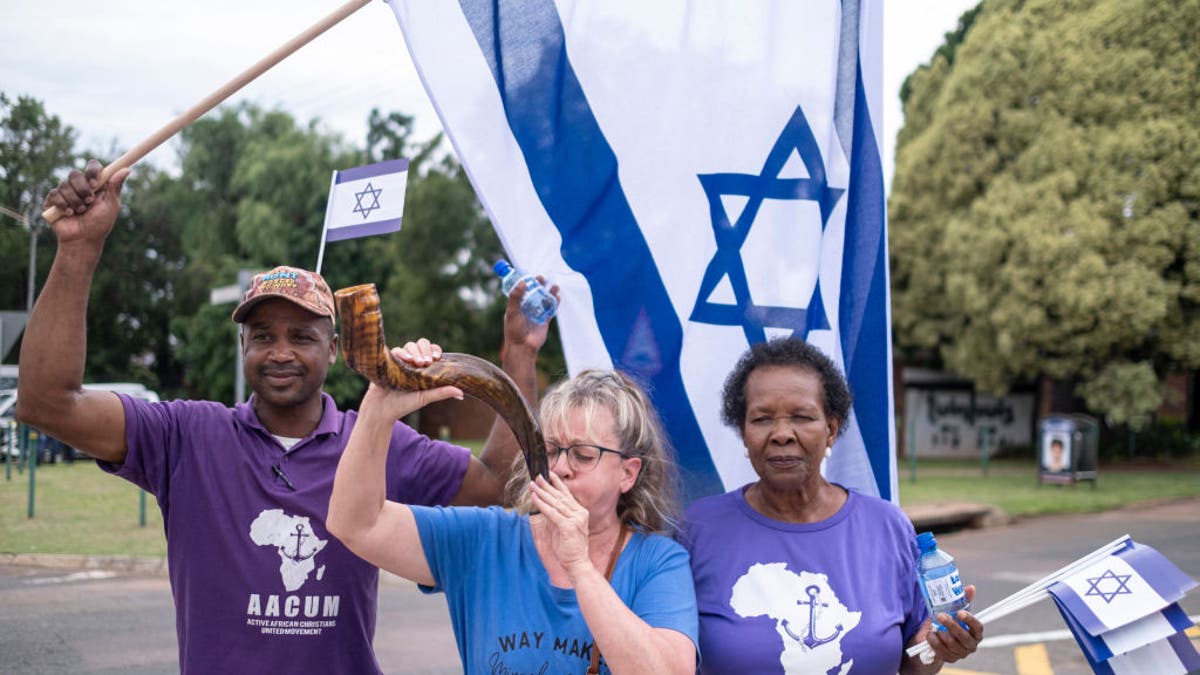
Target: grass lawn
point(1012, 486)
point(79, 509)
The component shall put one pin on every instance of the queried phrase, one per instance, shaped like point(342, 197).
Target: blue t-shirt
point(260, 585)
point(837, 596)
point(507, 616)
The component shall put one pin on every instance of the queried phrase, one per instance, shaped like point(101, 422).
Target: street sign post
point(226, 294)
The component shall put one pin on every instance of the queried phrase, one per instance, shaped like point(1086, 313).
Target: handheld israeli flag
point(1123, 612)
point(696, 177)
point(1173, 656)
point(364, 201)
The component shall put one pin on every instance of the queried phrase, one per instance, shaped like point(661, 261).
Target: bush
point(1017, 451)
point(1162, 440)
point(1168, 440)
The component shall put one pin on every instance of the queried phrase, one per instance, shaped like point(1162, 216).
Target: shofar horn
point(367, 354)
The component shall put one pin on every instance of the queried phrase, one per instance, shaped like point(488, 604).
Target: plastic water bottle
point(538, 305)
point(939, 580)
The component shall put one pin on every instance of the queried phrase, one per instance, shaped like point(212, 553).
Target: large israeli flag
point(696, 177)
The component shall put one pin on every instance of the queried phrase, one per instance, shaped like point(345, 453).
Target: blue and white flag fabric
point(696, 177)
point(1157, 626)
point(1124, 614)
point(1173, 656)
point(366, 200)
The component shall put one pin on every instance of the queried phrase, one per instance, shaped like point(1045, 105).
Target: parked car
point(50, 449)
point(8, 376)
point(8, 403)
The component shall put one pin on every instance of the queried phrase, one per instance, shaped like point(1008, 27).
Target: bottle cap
point(926, 542)
point(501, 267)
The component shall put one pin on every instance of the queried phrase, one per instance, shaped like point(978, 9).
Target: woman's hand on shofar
point(418, 354)
point(567, 518)
point(395, 404)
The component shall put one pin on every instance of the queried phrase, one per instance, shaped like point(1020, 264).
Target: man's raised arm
point(50, 393)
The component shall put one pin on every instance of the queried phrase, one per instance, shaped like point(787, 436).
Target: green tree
point(1044, 212)
point(250, 195)
point(434, 277)
point(35, 148)
point(134, 293)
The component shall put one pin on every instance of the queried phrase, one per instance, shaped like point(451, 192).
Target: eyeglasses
point(581, 456)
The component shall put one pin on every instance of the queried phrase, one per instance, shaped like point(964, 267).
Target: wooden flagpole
point(217, 97)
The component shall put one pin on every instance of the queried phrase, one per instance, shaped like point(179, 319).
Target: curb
point(954, 515)
point(119, 563)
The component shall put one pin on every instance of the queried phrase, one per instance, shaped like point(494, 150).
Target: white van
point(8, 423)
point(8, 376)
point(131, 389)
point(8, 404)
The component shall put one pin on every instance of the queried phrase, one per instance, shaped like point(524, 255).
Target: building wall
point(957, 422)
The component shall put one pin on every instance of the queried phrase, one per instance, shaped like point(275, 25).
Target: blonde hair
point(652, 502)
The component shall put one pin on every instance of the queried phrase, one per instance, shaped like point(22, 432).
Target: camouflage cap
point(306, 289)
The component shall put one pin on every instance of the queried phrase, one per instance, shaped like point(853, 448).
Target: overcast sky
point(117, 70)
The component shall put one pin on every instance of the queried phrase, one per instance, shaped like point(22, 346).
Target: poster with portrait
point(1056, 452)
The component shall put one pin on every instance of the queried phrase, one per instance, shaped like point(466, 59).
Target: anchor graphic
point(300, 536)
point(810, 639)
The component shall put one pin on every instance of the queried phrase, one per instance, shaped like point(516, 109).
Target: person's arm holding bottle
point(947, 646)
point(487, 475)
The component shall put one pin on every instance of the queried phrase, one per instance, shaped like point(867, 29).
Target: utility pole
point(233, 293)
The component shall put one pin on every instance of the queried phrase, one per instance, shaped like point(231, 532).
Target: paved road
point(1003, 560)
point(100, 622)
point(55, 621)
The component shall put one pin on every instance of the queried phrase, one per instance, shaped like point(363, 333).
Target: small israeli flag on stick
point(1120, 603)
point(364, 201)
point(1123, 612)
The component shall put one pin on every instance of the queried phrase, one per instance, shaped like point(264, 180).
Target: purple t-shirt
point(778, 597)
point(260, 585)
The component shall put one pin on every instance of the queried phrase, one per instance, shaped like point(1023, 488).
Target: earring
point(828, 451)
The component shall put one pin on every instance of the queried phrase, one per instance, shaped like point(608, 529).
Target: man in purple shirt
point(259, 584)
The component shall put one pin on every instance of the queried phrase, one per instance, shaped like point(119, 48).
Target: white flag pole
point(1036, 591)
point(214, 99)
point(325, 227)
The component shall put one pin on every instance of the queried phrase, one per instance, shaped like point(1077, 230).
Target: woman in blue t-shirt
point(527, 589)
point(793, 573)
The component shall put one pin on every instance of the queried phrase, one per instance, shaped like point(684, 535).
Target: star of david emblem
point(360, 196)
point(755, 318)
point(1118, 585)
